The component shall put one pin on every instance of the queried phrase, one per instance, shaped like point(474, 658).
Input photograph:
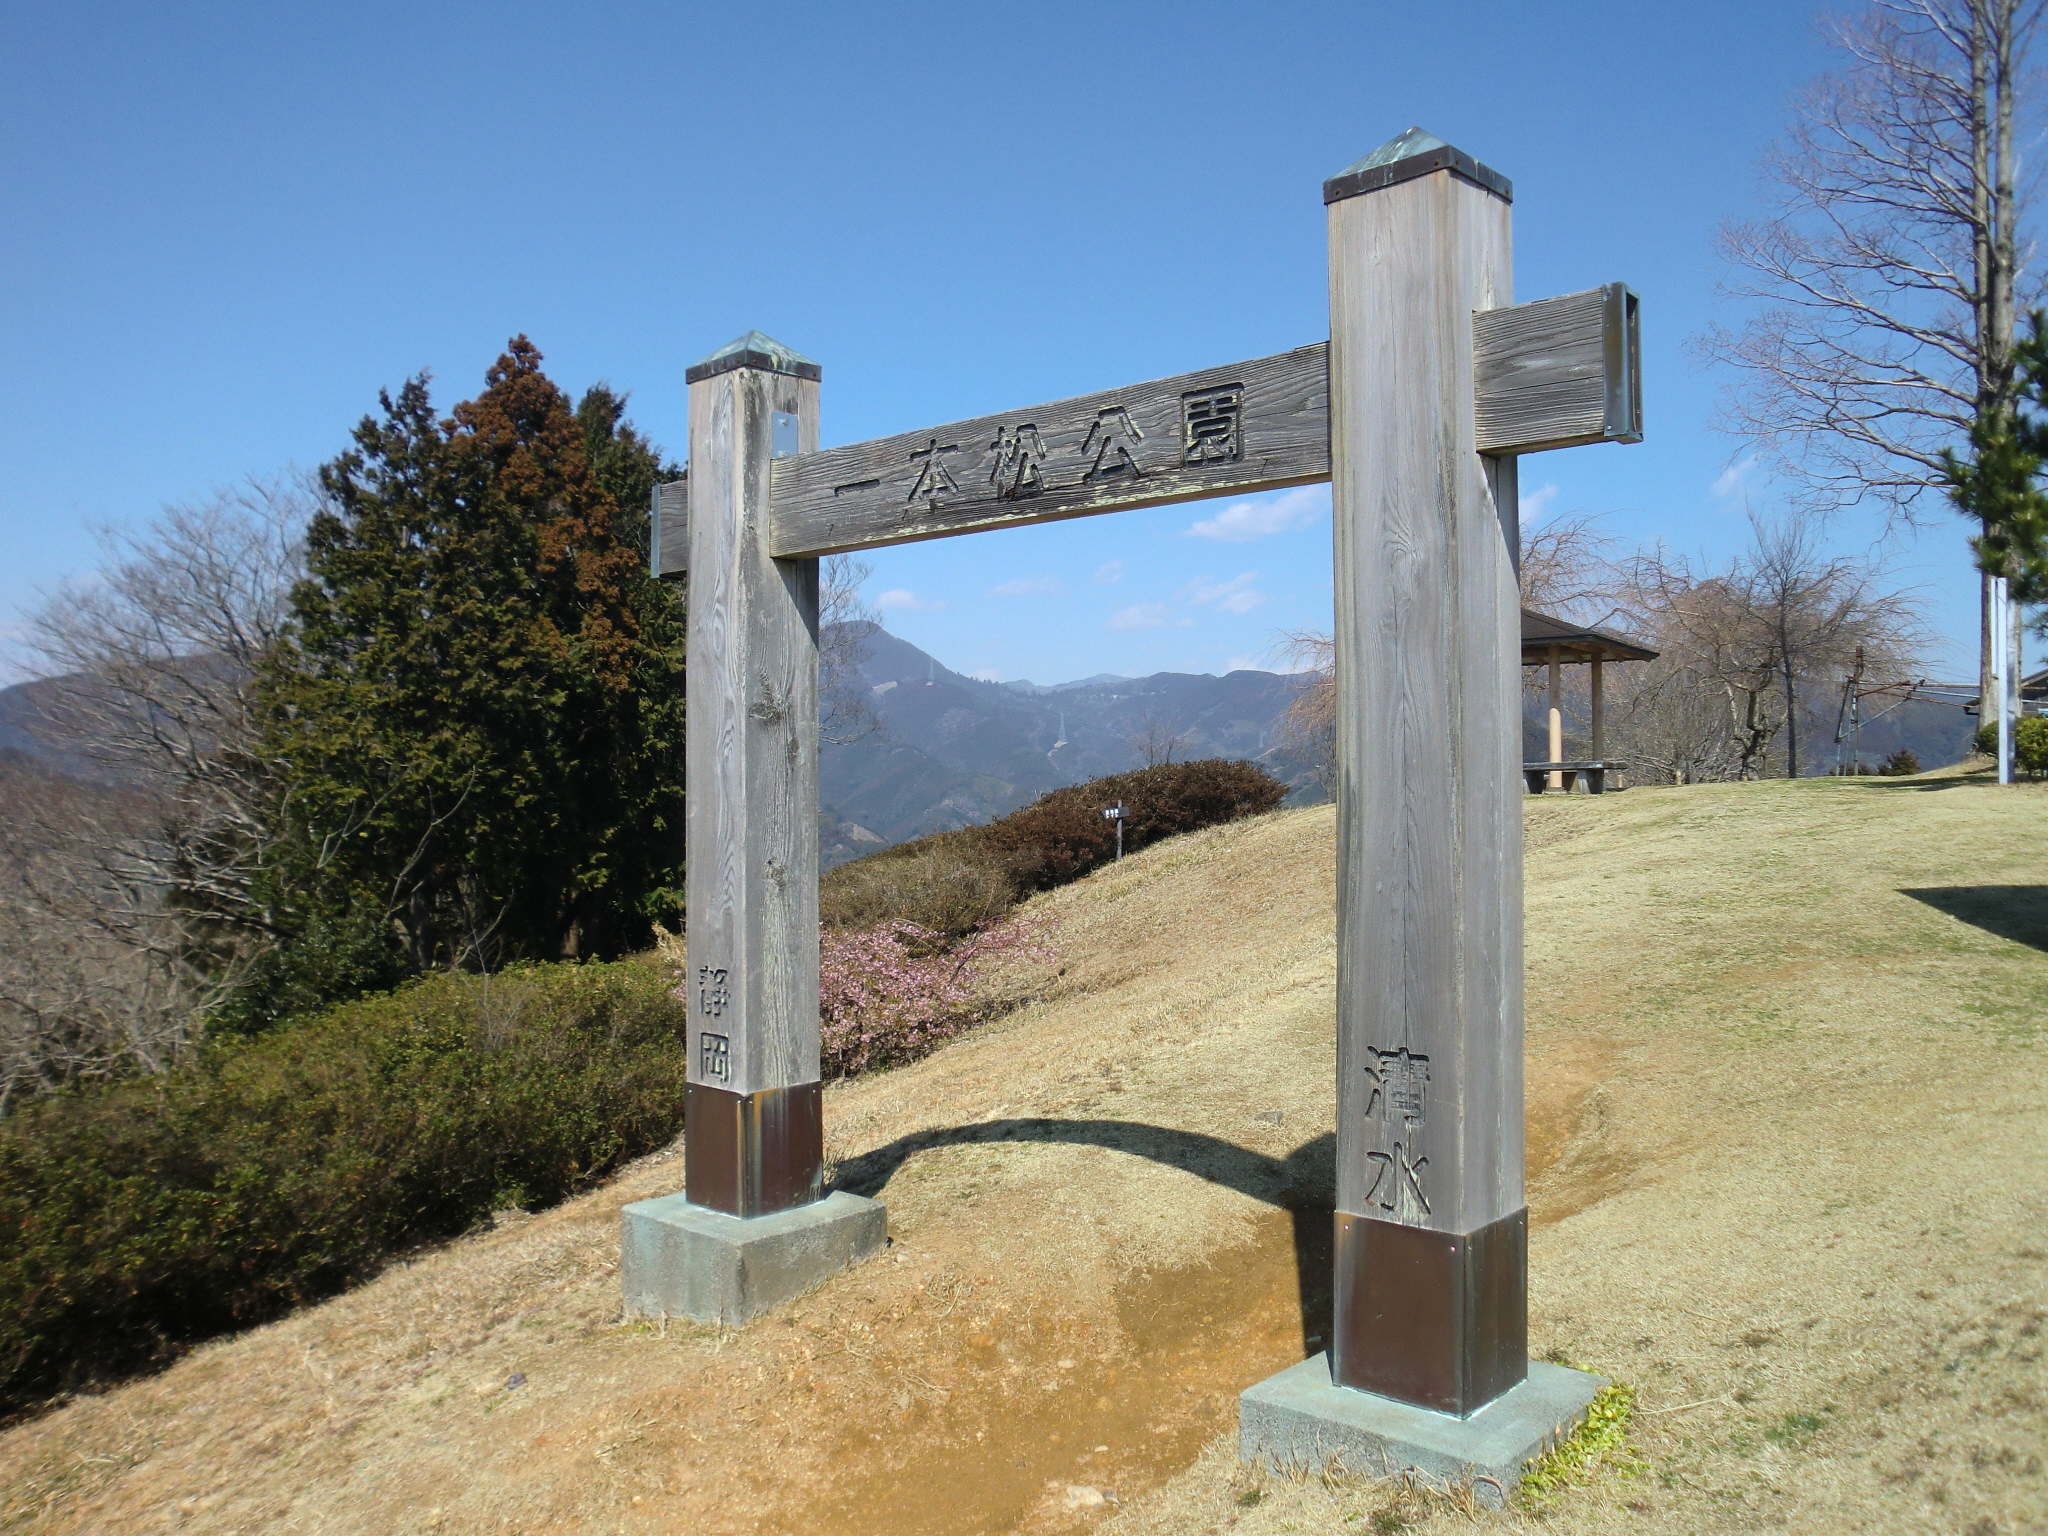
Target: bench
point(1596, 771)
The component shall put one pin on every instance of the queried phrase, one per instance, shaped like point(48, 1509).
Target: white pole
point(1556, 780)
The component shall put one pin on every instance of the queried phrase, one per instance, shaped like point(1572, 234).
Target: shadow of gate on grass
point(1303, 1183)
point(2016, 912)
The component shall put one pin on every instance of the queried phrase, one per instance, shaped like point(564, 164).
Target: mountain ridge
point(953, 751)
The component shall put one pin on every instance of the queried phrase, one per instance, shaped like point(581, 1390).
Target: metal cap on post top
point(754, 350)
point(1406, 156)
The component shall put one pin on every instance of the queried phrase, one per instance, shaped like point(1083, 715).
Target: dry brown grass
point(1786, 1177)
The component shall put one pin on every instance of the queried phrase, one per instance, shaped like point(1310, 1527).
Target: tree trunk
point(1791, 722)
point(2015, 626)
point(1994, 246)
point(1987, 702)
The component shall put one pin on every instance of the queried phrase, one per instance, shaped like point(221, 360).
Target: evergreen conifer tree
point(477, 716)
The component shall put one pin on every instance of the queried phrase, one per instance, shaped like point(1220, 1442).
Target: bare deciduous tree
point(126, 901)
point(1888, 273)
point(1309, 726)
point(1565, 569)
point(1155, 741)
point(845, 625)
point(1745, 648)
point(77, 1002)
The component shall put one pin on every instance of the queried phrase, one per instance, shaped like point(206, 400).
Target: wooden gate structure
point(1431, 385)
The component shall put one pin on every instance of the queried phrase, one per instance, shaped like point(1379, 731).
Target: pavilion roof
point(1574, 642)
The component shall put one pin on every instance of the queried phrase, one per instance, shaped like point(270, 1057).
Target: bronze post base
point(1438, 1319)
point(752, 1154)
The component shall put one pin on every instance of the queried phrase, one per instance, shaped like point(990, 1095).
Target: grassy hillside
point(1788, 1100)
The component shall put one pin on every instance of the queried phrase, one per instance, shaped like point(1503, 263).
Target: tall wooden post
point(1432, 1234)
point(753, 1133)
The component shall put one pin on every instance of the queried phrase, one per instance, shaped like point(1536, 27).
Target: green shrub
point(946, 884)
point(1062, 836)
point(140, 1217)
point(2030, 744)
point(1902, 764)
point(956, 883)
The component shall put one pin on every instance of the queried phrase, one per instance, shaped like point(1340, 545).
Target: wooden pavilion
point(1557, 643)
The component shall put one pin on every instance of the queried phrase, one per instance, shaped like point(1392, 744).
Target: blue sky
point(226, 227)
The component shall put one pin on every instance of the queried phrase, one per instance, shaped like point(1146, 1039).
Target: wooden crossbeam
point(669, 528)
point(1251, 426)
point(1554, 373)
point(1558, 373)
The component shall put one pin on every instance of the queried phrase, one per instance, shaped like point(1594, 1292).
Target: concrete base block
point(681, 1260)
point(1301, 1419)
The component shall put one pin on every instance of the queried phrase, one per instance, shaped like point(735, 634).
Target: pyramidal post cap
point(1406, 156)
point(754, 350)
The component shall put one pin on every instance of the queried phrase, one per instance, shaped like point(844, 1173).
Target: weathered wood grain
point(1429, 873)
point(1558, 372)
point(669, 528)
point(752, 750)
point(1250, 426)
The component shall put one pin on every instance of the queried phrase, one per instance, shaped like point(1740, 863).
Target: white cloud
point(1141, 616)
point(1538, 502)
point(1236, 595)
point(1243, 521)
point(1109, 571)
point(1025, 586)
point(908, 601)
point(1734, 480)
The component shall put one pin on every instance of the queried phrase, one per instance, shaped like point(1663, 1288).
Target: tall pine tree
point(478, 715)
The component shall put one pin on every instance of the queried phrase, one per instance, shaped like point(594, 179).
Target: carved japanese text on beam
point(1212, 425)
point(1251, 426)
point(1019, 452)
point(1112, 445)
point(932, 479)
point(1550, 374)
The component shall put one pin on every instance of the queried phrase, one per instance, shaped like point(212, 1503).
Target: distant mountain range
point(29, 732)
point(953, 751)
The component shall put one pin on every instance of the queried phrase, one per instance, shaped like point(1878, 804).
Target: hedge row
point(955, 882)
point(138, 1218)
point(2029, 743)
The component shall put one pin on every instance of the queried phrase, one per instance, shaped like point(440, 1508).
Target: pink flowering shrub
point(895, 992)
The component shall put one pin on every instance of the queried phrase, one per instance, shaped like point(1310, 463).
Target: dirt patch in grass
point(1786, 1180)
